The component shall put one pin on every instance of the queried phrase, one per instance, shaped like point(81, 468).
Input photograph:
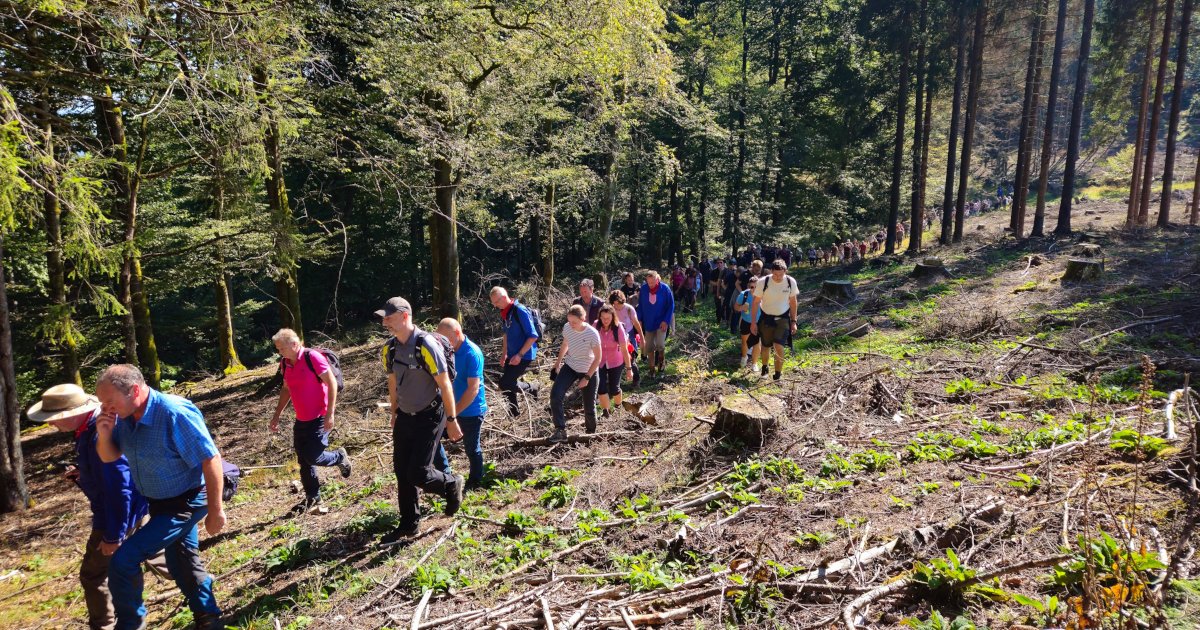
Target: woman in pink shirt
point(614, 350)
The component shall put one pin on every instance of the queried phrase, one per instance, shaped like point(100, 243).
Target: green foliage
point(648, 571)
point(553, 476)
point(814, 540)
point(1027, 484)
point(434, 577)
point(557, 496)
point(288, 556)
point(943, 578)
point(871, 460)
point(1130, 442)
point(937, 622)
point(963, 387)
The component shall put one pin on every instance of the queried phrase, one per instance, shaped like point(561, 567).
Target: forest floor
point(990, 449)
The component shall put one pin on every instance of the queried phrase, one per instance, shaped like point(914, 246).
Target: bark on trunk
point(608, 204)
point(898, 149)
point(443, 240)
point(1033, 77)
point(969, 127)
point(546, 245)
point(1039, 216)
point(1081, 73)
point(14, 495)
point(1185, 21)
point(735, 190)
point(227, 351)
point(62, 328)
point(916, 218)
point(955, 114)
point(1139, 141)
point(1155, 113)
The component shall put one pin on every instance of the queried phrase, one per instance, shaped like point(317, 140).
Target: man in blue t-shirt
point(470, 398)
point(518, 346)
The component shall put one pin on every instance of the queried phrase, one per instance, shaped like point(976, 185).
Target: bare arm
point(214, 483)
point(285, 396)
point(392, 401)
point(469, 394)
point(447, 391)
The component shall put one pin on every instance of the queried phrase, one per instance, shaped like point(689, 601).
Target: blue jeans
point(310, 440)
point(171, 528)
point(471, 427)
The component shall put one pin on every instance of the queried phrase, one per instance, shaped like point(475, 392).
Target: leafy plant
point(942, 578)
point(1027, 484)
point(433, 577)
point(928, 452)
point(975, 447)
point(516, 523)
point(928, 487)
point(963, 387)
point(872, 460)
point(814, 540)
point(1130, 442)
point(289, 556)
point(1050, 609)
point(836, 465)
point(553, 476)
point(937, 622)
point(557, 496)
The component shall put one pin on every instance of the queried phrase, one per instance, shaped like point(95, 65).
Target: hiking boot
point(454, 496)
point(473, 484)
point(559, 436)
point(306, 506)
point(589, 426)
point(399, 535)
point(344, 464)
point(777, 376)
point(764, 369)
point(208, 621)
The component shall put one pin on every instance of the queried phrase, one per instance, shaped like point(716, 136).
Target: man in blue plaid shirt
point(176, 466)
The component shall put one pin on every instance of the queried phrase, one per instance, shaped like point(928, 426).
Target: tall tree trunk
point(972, 110)
point(608, 203)
point(674, 241)
point(916, 219)
point(1155, 114)
point(955, 113)
point(546, 245)
point(283, 224)
point(443, 240)
point(702, 224)
point(635, 196)
point(1185, 27)
point(1139, 140)
point(927, 120)
point(1039, 216)
point(226, 350)
point(688, 226)
point(14, 495)
point(739, 172)
point(1033, 77)
point(60, 325)
point(1195, 218)
point(416, 248)
point(898, 149)
point(1081, 74)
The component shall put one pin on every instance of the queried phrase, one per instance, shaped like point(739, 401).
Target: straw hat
point(62, 401)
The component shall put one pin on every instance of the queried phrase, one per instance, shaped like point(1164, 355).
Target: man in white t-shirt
point(775, 300)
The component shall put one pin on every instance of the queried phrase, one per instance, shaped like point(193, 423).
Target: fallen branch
point(860, 602)
point(584, 438)
point(546, 614)
point(420, 611)
point(648, 619)
point(532, 563)
point(574, 619)
point(408, 572)
point(742, 513)
point(1128, 326)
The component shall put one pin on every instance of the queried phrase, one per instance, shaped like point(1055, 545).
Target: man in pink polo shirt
point(311, 387)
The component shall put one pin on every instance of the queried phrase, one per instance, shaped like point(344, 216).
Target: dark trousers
point(172, 531)
point(510, 383)
point(471, 427)
point(735, 318)
point(310, 440)
point(415, 438)
point(93, 577)
point(562, 386)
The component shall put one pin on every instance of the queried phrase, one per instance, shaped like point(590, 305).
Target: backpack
point(539, 326)
point(331, 357)
point(767, 283)
point(447, 352)
point(232, 475)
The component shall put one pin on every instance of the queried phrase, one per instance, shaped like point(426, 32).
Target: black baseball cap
point(393, 306)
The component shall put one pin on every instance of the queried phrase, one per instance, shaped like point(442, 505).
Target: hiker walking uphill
point(615, 360)
point(118, 509)
point(175, 465)
point(577, 365)
point(775, 301)
point(310, 385)
point(742, 304)
point(518, 346)
point(656, 310)
point(627, 315)
point(469, 396)
point(589, 300)
point(421, 398)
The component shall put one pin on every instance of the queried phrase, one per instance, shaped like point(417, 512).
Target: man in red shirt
point(310, 386)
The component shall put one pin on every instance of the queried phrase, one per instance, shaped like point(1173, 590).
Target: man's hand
point(214, 522)
point(454, 431)
point(583, 382)
point(754, 329)
point(105, 424)
point(108, 549)
point(514, 360)
point(274, 426)
point(328, 425)
point(663, 326)
point(793, 326)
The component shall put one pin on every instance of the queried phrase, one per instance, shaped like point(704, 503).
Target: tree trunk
point(608, 203)
point(955, 114)
point(1195, 219)
point(1033, 76)
point(1155, 113)
point(283, 224)
point(635, 194)
point(61, 328)
point(1039, 216)
point(735, 190)
point(898, 149)
point(416, 248)
point(674, 243)
point(546, 245)
point(227, 351)
point(14, 495)
point(1185, 21)
point(927, 119)
point(1139, 140)
point(1085, 49)
point(916, 220)
point(443, 240)
point(969, 126)
point(689, 220)
point(702, 224)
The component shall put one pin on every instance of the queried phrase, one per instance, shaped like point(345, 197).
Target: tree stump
point(839, 292)
point(1088, 250)
point(650, 410)
point(930, 270)
point(1083, 270)
point(749, 419)
point(882, 261)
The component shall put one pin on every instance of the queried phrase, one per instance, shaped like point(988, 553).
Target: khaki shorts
point(656, 341)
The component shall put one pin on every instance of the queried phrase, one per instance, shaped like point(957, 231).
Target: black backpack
point(232, 475)
point(331, 357)
point(539, 326)
point(447, 352)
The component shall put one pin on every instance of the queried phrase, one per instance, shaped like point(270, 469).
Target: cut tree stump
point(930, 270)
point(839, 292)
point(1088, 250)
point(747, 418)
point(1083, 270)
point(650, 410)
